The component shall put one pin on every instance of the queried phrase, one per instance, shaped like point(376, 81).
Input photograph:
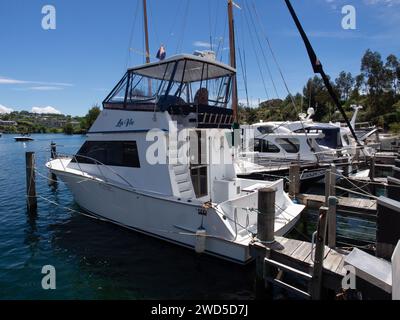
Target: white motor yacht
point(159, 160)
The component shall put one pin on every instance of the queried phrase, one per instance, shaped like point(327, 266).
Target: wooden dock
point(316, 265)
point(289, 256)
point(347, 206)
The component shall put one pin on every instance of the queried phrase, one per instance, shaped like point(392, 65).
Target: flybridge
point(181, 85)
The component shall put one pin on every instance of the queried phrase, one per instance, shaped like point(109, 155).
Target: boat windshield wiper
point(317, 67)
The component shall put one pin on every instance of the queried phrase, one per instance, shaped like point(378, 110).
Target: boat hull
point(175, 221)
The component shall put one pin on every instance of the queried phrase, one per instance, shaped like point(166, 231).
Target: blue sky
point(71, 68)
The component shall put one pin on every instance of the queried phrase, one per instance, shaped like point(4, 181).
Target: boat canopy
point(331, 133)
point(182, 80)
point(190, 68)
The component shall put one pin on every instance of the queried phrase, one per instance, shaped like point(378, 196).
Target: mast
point(146, 36)
point(233, 60)
point(146, 31)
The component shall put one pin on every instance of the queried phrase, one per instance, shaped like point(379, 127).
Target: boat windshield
point(180, 81)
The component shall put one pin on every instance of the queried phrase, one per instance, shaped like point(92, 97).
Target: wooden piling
point(53, 150)
point(30, 182)
point(346, 170)
point(372, 169)
point(316, 283)
point(294, 180)
point(261, 288)
point(330, 184)
point(53, 155)
point(266, 215)
point(332, 202)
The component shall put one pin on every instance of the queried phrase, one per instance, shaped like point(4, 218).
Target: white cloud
point(45, 88)
point(388, 3)
point(5, 80)
point(5, 110)
point(45, 110)
point(202, 44)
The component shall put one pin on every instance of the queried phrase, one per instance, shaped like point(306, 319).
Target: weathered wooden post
point(266, 215)
point(294, 180)
point(316, 283)
point(332, 202)
point(265, 235)
point(53, 155)
point(53, 150)
point(30, 182)
point(330, 183)
point(261, 287)
point(372, 172)
point(346, 170)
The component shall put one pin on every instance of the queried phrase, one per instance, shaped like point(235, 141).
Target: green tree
point(344, 85)
point(68, 128)
point(393, 70)
point(90, 118)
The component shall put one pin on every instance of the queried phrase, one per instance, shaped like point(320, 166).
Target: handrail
point(97, 163)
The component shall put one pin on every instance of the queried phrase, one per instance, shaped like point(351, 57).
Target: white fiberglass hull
point(173, 221)
point(170, 220)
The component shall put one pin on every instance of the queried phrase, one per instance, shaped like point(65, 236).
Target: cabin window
point(266, 129)
point(198, 163)
point(261, 145)
point(111, 153)
point(290, 145)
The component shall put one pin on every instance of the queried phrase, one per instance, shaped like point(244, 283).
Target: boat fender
point(201, 235)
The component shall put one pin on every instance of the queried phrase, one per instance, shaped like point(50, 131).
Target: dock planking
point(300, 252)
point(314, 201)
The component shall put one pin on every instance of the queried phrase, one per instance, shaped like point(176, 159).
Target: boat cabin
point(183, 85)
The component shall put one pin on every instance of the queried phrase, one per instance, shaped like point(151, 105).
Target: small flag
point(161, 53)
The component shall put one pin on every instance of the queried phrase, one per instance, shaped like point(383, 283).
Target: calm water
point(93, 260)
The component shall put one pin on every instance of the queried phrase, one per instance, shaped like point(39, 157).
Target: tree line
point(376, 88)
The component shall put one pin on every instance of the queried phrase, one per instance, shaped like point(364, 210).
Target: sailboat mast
point(146, 37)
point(233, 60)
point(146, 31)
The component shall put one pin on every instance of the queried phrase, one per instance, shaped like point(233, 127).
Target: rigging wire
point(153, 23)
point(255, 54)
point(244, 74)
point(182, 36)
point(262, 51)
point(128, 54)
point(273, 55)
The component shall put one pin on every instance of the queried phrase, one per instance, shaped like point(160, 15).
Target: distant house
point(8, 123)
point(51, 122)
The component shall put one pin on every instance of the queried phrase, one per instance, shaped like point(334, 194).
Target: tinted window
point(111, 153)
point(290, 145)
point(261, 145)
point(266, 129)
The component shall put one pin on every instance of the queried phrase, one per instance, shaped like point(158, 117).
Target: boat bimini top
point(181, 84)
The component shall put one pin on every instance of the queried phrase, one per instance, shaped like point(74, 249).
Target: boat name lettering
point(125, 123)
